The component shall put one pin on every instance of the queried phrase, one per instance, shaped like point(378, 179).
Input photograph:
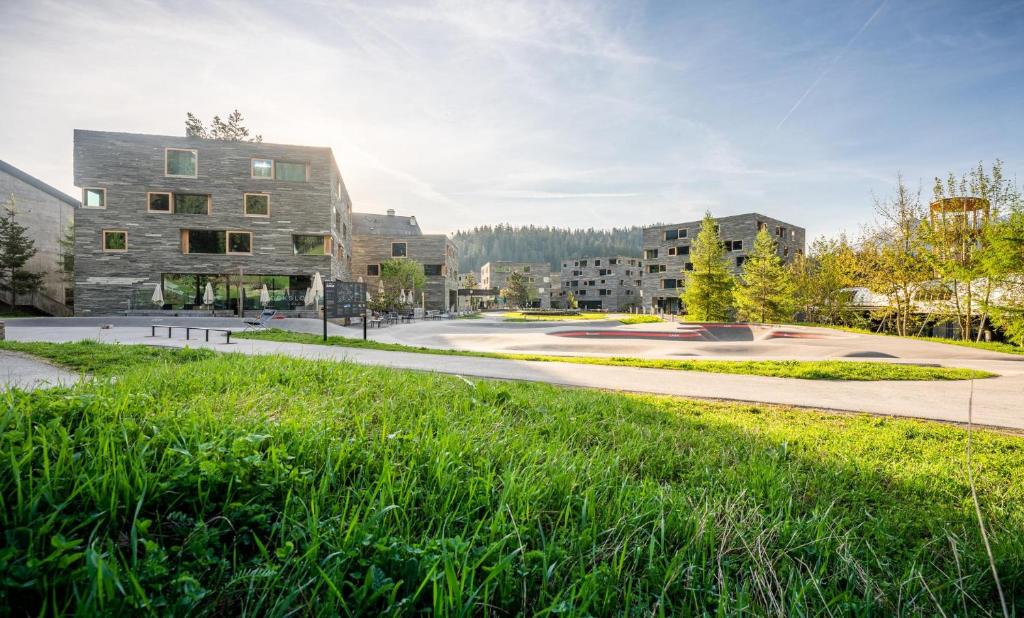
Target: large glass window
point(290, 171)
point(94, 198)
point(159, 202)
point(179, 162)
point(239, 242)
point(205, 241)
point(191, 204)
point(650, 254)
point(257, 205)
point(398, 249)
point(309, 245)
point(262, 168)
point(432, 270)
point(671, 234)
point(115, 240)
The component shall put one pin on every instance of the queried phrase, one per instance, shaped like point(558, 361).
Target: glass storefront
point(184, 291)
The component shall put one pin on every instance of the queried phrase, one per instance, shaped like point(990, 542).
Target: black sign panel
point(344, 299)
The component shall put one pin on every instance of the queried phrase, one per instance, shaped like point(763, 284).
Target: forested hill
point(541, 244)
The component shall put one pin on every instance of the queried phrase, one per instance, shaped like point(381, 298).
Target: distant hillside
point(541, 244)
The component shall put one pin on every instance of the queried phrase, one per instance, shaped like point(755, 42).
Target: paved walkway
point(997, 401)
point(27, 372)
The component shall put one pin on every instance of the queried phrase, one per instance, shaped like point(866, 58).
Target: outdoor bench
point(189, 329)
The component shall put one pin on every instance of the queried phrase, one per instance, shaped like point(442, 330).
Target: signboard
point(344, 299)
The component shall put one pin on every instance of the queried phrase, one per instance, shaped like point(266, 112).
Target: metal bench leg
point(168, 332)
point(227, 334)
point(152, 331)
point(188, 333)
point(207, 335)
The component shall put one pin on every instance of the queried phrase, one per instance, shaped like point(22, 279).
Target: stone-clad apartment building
point(603, 283)
point(182, 212)
point(666, 250)
point(538, 278)
point(378, 238)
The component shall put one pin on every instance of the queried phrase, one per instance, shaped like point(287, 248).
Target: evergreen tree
point(765, 290)
point(515, 290)
point(231, 131)
point(16, 248)
point(708, 293)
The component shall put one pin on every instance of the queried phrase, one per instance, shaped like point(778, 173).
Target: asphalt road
point(998, 401)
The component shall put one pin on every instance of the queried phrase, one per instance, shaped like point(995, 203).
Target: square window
point(682, 233)
point(373, 270)
point(115, 240)
point(94, 198)
point(262, 168)
point(158, 202)
point(257, 205)
point(671, 250)
point(671, 234)
point(650, 254)
point(398, 249)
point(683, 250)
point(180, 162)
point(191, 204)
point(239, 242)
point(295, 172)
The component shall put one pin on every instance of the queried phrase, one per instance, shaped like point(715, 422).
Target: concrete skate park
point(997, 401)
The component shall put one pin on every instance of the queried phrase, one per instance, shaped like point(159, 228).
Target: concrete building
point(538, 278)
point(184, 212)
point(48, 214)
point(377, 238)
point(602, 283)
point(666, 252)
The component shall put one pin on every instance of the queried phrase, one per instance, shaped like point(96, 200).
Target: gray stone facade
point(538, 276)
point(48, 214)
point(128, 167)
point(373, 242)
point(602, 283)
point(666, 252)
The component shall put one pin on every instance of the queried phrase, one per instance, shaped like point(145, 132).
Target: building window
point(306, 244)
point(203, 241)
point(257, 205)
point(373, 270)
point(191, 204)
point(668, 284)
point(432, 270)
point(671, 234)
point(115, 241)
point(650, 254)
point(239, 242)
point(158, 202)
point(683, 232)
point(94, 198)
point(780, 231)
point(398, 249)
point(526, 269)
point(181, 162)
point(295, 172)
point(683, 250)
point(262, 168)
point(688, 266)
point(671, 250)
point(740, 259)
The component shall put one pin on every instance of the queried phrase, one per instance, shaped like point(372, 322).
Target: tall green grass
point(268, 486)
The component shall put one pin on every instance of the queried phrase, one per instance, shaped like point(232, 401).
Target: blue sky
point(571, 114)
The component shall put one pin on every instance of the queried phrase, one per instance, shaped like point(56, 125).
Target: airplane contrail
point(832, 64)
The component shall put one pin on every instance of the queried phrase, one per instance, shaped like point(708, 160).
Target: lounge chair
point(260, 323)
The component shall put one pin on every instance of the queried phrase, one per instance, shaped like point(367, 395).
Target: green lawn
point(808, 370)
point(519, 316)
point(992, 346)
point(232, 485)
point(640, 319)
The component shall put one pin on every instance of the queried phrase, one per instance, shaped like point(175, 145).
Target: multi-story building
point(666, 252)
point(538, 279)
point(184, 212)
point(377, 238)
point(48, 214)
point(602, 283)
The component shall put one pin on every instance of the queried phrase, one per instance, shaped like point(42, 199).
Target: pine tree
point(765, 291)
point(708, 293)
point(16, 248)
point(515, 290)
point(231, 131)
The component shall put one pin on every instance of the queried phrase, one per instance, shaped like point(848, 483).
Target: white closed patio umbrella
point(158, 295)
point(208, 295)
point(401, 296)
point(264, 295)
point(318, 286)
